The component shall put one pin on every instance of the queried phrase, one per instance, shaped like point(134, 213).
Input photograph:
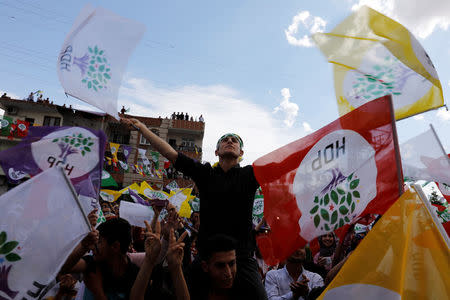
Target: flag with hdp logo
point(329, 179)
point(404, 256)
point(40, 224)
point(79, 151)
point(94, 56)
point(373, 56)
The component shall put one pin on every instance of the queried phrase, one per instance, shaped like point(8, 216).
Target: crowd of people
point(186, 117)
point(212, 257)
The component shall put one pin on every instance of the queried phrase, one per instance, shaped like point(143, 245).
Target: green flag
point(107, 180)
point(155, 158)
point(5, 125)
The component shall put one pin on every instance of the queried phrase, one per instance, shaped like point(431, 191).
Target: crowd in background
point(166, 249)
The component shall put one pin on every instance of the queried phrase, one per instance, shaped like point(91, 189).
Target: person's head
point(328, 240)
point(229, 145)
point(298, 256)
point(219, 261)
point(114, 239)
point(195, 218)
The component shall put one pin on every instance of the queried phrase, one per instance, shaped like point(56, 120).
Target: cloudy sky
point(248, 67)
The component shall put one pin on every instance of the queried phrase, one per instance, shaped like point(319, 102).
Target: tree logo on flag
point(381, 73)
point(6, 253)
point(335, 207)
point(334, 182)
point(94, 68)
point(75, 149)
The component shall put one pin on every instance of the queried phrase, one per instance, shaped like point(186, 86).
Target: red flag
point(444, 188)
point(330, 178)
point(22, 128)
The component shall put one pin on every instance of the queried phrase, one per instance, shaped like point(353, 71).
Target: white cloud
point(310, 23)
point(421, 17)
point(443, 114)
point(307, 127)
point(290, 109)
point(223, 109)
point(419, 117)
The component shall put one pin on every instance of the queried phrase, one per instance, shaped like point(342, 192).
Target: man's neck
point(118, 265)
point(294, 269)
point(226, 163)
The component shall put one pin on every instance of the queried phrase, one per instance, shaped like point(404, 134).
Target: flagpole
point(396, 149)
point(439, 141)
point(425, 201)
point(74, 194)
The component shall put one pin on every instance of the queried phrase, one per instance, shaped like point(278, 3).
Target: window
point(120, 138)
point(51, 121)
point(30, 121)
point(173, 143)
point(188, 142)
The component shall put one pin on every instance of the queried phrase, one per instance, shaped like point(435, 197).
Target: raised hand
point(176, 250)
point(92, 217)
point(132, 122)
point(90, 241)
point(152, 242)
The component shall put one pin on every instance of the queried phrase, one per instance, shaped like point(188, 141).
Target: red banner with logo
point(330, 178)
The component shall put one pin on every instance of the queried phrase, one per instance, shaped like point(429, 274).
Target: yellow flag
point(114, 149)
point(373, 56)
point(135, 187)
point(403, 257)
point(145, 188)
point(110, 195)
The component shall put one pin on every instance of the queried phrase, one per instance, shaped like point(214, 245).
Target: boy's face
point(221, 268)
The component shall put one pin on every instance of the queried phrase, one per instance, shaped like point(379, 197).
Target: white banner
point(41, 223)
point(135, 213)
point(424, 159)
point(94, 56)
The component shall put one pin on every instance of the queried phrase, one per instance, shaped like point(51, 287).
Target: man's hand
point(175, 252)
point(171, 221)
point(300, 288)
point(322, 261)
point(152, 242)
point(90, 241)
point(132, 123)
point(92, 217)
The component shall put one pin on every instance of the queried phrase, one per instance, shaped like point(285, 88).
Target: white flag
point(94, 56)
point(424, 159)
point(41, 223)
point(136, 213)
point(144, 158)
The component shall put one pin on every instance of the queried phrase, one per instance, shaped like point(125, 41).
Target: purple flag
point(126, 152)
point(79, 151)
point(138, 199)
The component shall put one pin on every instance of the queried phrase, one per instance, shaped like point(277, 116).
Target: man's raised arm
point(158, 143)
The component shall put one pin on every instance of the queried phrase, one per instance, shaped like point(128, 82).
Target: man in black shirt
point(226, 201)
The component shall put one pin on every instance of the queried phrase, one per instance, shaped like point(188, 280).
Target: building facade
point(184, 135)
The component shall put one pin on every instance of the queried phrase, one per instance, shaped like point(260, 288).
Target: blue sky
point(231, 61)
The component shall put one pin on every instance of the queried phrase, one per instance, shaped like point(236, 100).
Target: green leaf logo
point(333, 209)
point(6, 248)
point(98, 72)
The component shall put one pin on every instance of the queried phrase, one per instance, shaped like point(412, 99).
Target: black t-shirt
point(226, 201)
point(114, 288)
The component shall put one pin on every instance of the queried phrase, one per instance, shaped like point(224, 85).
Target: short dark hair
point(116, 229)
point(217, 243)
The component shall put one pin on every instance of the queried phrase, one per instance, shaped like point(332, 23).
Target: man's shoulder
point(310, 274)
point(276, 273)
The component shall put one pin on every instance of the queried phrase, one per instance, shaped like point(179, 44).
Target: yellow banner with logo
point(373, 56)
point(404, 256)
